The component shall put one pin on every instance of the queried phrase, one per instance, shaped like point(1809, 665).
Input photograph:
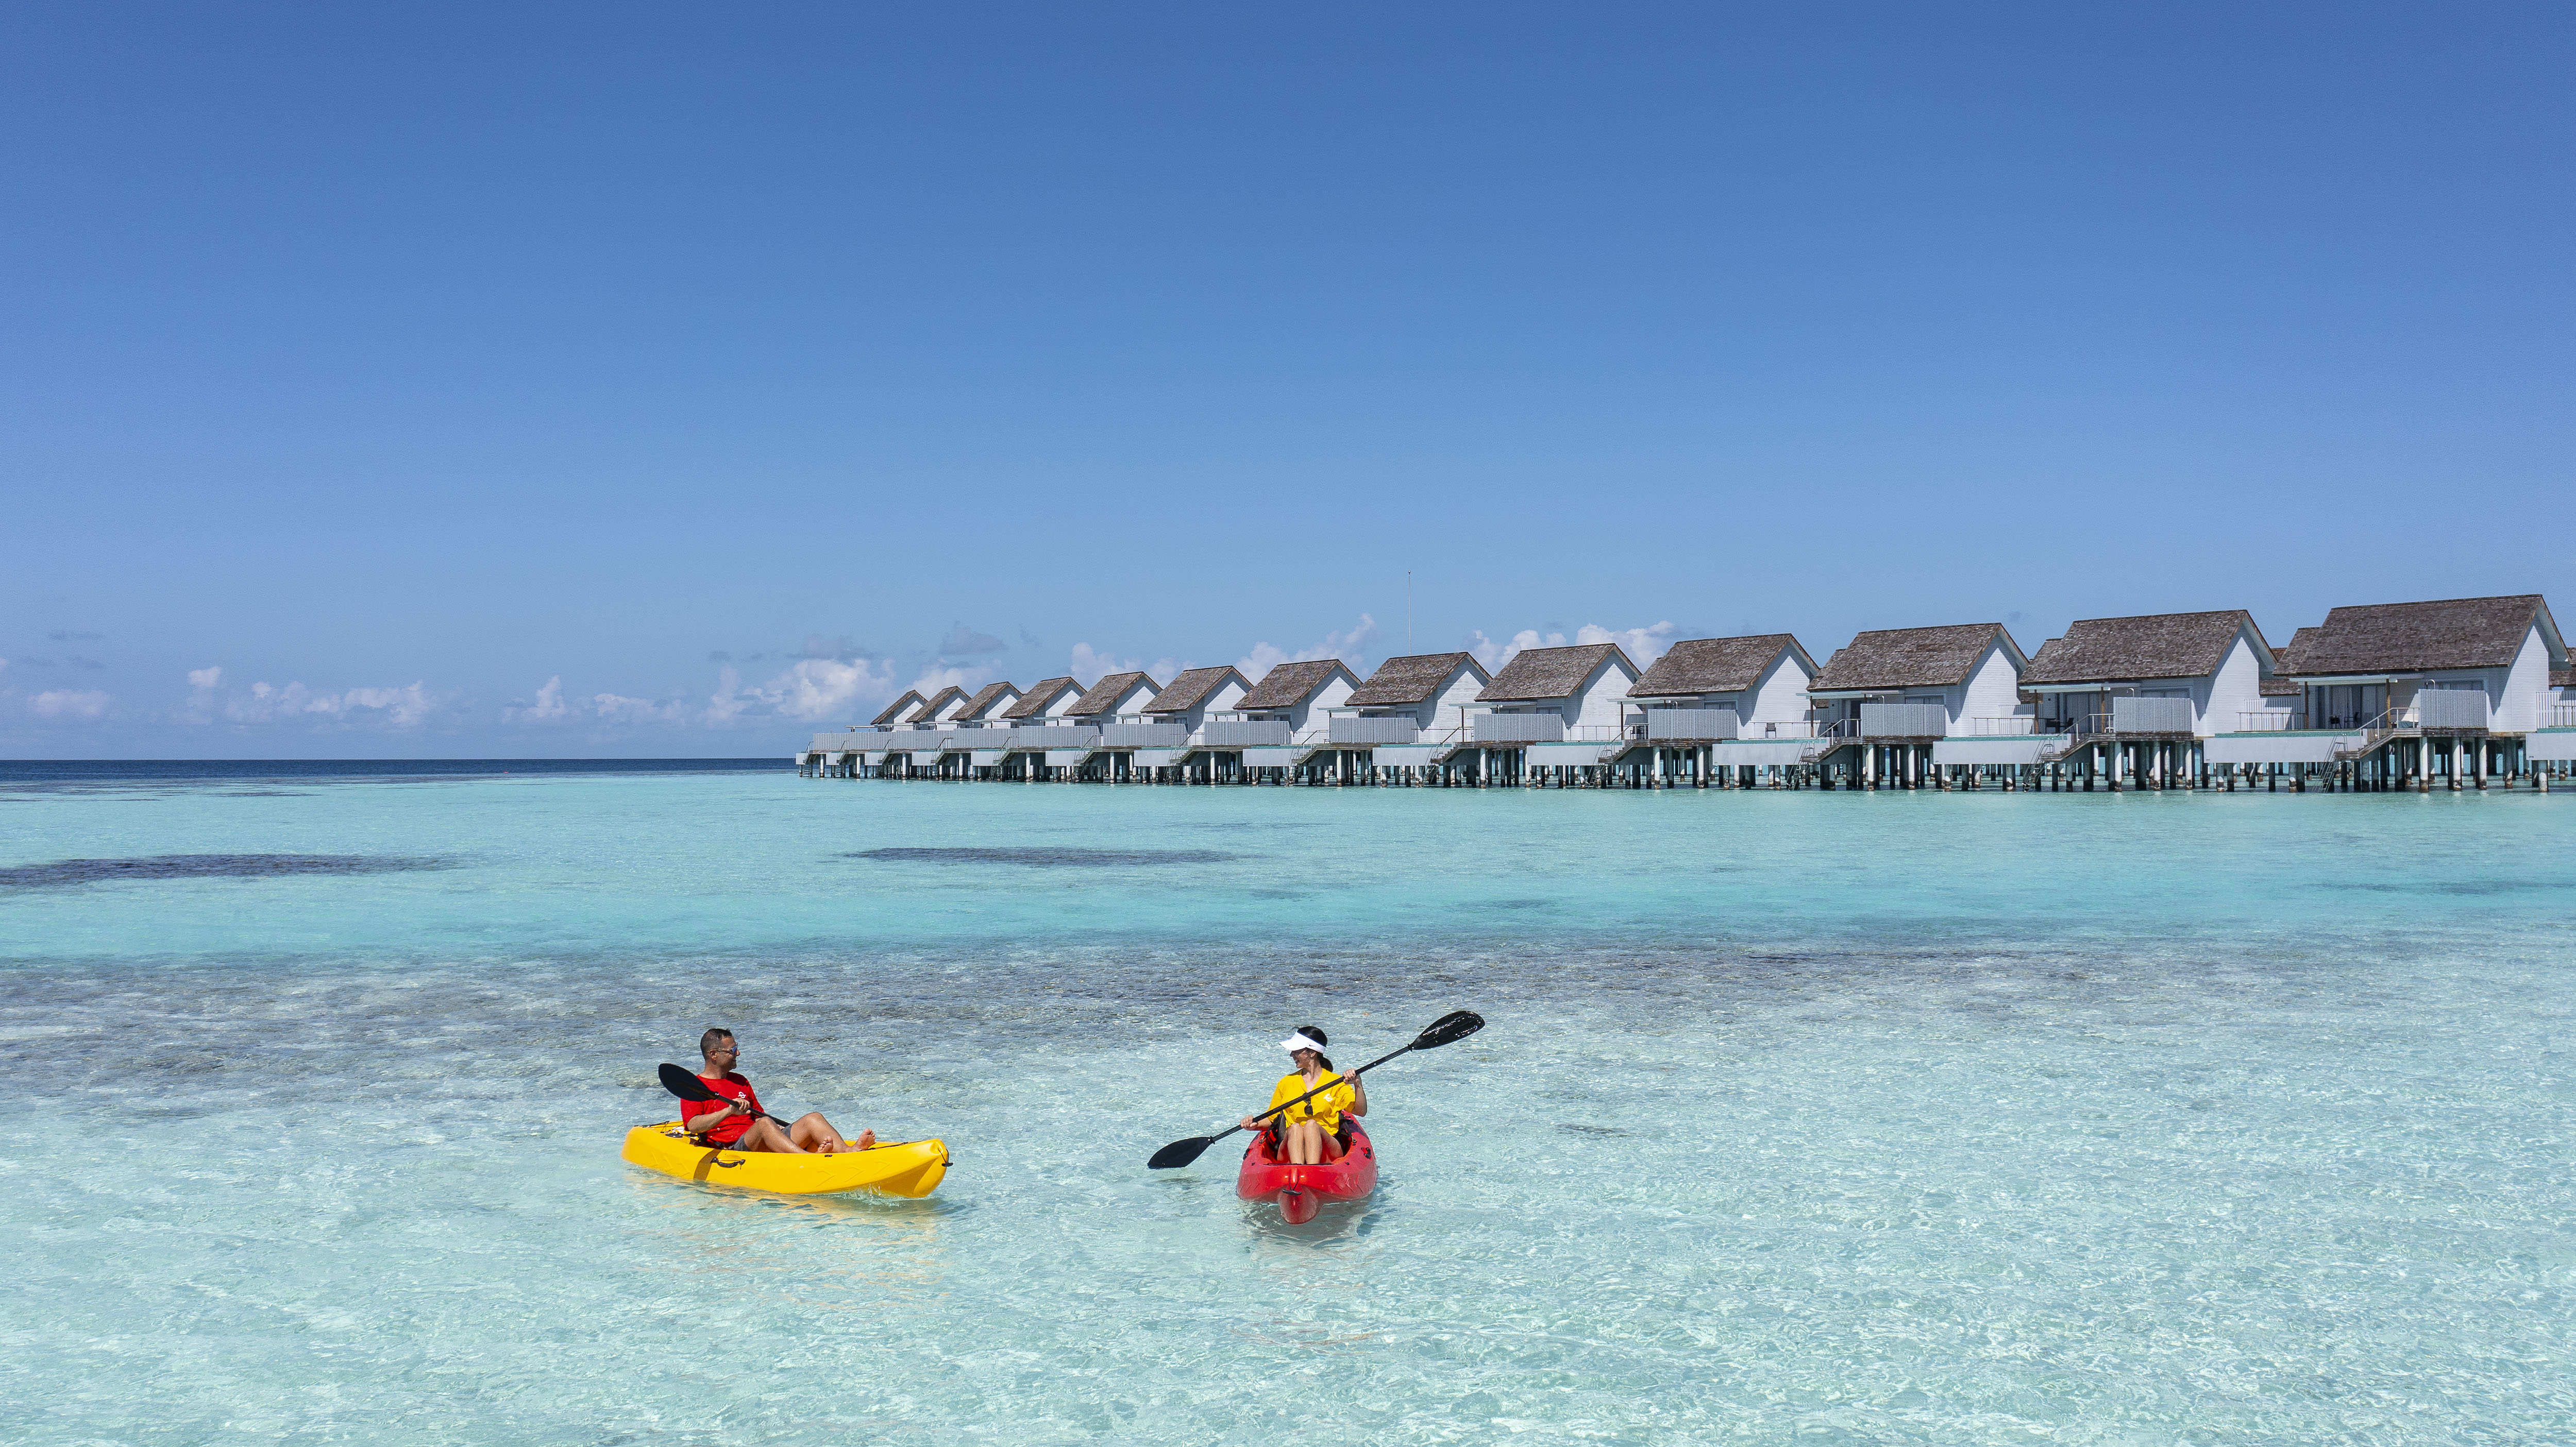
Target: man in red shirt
point(741, 1124)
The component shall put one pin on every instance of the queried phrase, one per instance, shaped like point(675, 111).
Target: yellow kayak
point(913, 1168)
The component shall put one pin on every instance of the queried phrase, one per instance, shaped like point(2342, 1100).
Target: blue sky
point(676, 380)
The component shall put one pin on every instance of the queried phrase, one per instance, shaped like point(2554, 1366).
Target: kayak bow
point(1302, 1190)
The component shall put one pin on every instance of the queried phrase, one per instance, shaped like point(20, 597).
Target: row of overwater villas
point(2457, 693)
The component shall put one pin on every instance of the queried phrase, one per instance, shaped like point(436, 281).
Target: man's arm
point(701, 1124)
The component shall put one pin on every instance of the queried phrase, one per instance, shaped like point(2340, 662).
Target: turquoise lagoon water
point(1885, 1118)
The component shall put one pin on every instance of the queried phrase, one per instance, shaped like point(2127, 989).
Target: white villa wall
point(2523, 703)
point(1129, 706)
point(1445, 708)
point(2237, 687)
point(953, 707)
point(1993, 690)
point(1225, 696)
point(1603, 698)
point(1061, 706)
point(1317, 708)
point(1780, 694)
point(1009, 700)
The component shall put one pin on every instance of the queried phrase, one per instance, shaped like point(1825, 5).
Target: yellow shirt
point(1324, 1110)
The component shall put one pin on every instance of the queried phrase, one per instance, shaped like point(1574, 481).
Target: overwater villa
point(1043, 739)
point(1716, 710)
point(1553, 716)
point(1914, 701)
point(2462, 692)
point(2136, 699)
point(2394, 695)
point(1114, 710)
point(978, 736)
point(913, 748)
point(1180, 711)
point(1274, 733)
point(891, 745)
point(1411, 715)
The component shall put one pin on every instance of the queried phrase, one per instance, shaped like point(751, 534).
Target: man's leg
point(765, 1135)
point(815, 1133)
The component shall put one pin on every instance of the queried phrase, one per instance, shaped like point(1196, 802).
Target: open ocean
point(1800, 1117)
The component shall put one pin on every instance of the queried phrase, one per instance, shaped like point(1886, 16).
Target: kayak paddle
point(684, 1083)
point(1449, 1029)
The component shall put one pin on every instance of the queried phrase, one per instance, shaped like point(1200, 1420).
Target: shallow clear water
point(1870, 1118)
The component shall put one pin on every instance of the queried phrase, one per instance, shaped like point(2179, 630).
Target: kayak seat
point(1333, 1150)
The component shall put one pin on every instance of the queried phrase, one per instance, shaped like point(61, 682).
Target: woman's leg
point(1305, 1143)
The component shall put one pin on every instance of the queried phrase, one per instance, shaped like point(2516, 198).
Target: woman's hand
point(1252, 1122)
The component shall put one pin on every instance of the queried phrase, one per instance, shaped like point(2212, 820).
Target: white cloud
point(549, 704)
point(205, 679)
point(1090, 665)
point(1345, 646)
point(618, 708)
point(1494, 655)
point(1642, 645)
point(267, 703)
point(814, 688)
point(69, 703)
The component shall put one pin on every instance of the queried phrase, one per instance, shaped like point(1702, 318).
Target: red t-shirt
point(731, 1087)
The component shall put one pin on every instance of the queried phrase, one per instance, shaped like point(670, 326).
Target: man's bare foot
point(867, 1138)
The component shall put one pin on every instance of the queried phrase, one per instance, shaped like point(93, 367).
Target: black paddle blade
point(1449, 1029)
point(685, 1084)
point(1179, 1153)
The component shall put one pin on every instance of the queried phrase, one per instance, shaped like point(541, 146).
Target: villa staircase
point(1457, 743)
point(2373, 735)
point(2053, 747)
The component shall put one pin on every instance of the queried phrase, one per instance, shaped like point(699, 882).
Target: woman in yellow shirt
point(1297, 1134)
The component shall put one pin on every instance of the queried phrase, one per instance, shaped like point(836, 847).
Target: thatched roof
point(2416, 637)
point(2155, 645)
point(2277, 687)
point(1291, 684)
point(930, 710)
point(1193, 687)
point(1538, 674)
point(1033, 704)
point(1104, 695)
point(983, 701)
point(2562, 678)
point(897, 709)
point(1414, 678)
point(1714, 665)
point(1889, 658)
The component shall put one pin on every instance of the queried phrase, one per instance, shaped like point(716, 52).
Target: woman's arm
point(1359, 1098)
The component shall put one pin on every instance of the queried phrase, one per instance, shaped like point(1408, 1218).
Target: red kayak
point(1302, 1190)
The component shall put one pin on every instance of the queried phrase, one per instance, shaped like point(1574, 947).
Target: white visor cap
point(1298, 1041)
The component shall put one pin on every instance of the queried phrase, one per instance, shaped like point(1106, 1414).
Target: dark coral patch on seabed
point(1046, 858)
point(64, 873)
